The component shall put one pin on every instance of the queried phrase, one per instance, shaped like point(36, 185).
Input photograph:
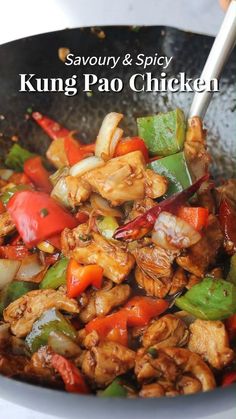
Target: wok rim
point(10, 386)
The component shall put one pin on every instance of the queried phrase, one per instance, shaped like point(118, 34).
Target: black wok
point(38, 54)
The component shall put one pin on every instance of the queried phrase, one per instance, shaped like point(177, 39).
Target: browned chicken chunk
point(125, 179)
point(210, 340)
point(100, 303)
point(153, 287)
point(22, 313)
point(94, 248)
point(139, 207)
point(203, 254)
point(179, 281)
point(6, 224)
point(154, 269)
point(167, 331)
point(106, 361)
point(12, 365)
point(176, 370)
point(40, 364)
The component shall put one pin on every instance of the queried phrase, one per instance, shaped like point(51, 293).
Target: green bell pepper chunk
point(107, 226)
point(175, 169)
point(115, 389)
point(51, 320)
point(16, 157)
point(13, 291)
point(232, 270)
point(211, 299)
point(164, 134)
point(8, 193)
point(55, 276)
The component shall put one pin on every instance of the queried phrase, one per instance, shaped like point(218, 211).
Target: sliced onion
point(108, 136)
point(86, 165)
point(60, 192)
point(63, 345)
point(8, 270)
point(62, 172)
point(103, 206)
point(114, 141)
point(31, 269)
point(172, 233)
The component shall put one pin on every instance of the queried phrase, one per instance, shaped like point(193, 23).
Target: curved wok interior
point(84, 113)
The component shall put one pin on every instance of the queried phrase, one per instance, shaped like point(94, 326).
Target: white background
point(21, 18)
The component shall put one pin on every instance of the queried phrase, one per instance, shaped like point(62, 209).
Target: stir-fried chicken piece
point(167, 331)
point(155, 261)
point(176, 370)
point(106, 361)
point(6, 224)
point(56, 153)
point(195, 148)
point(152, 390)
point(154, 269)
point(126, 179)
point(158, 287)
point(139, 207)
point(155, 185)
point(40, 364)
point(210, 340)
point(193, 280)
point(203, 254)
point(12, 365)
point(178, 282)
point(22, 313)
point(94, 248)
point(39, 369)
point(100, 303)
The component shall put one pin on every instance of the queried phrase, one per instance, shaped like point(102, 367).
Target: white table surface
point(21, 18)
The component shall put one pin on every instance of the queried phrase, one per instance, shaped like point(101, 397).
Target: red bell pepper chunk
point(82, 217)
point(140, 310)
point(75, 151)
point(138, 227)
point(112, 327)
point(19, 179)
point(127, 145)
point(37, 216)
point(227, 219)
point(78, 277)
point(55, 241)
point(17, 252)
point(230, 324)
point(229, 379)
point(73, 379)
point(197, 217)
point(51, 127)
point(37, 173)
